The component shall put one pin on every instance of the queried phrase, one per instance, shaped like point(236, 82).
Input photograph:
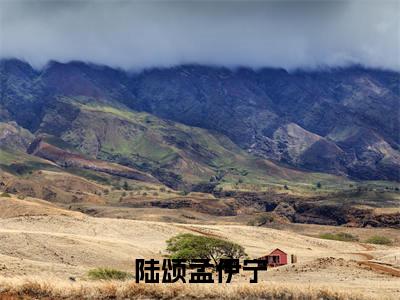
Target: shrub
point(108, 274)
point(4, 194)
point(189, 246)
point(340, 236)
point(379, 240)
point(126, 186)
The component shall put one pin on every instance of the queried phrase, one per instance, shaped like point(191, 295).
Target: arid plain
point(42, 242)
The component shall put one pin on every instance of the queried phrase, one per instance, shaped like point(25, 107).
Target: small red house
point(276, 258)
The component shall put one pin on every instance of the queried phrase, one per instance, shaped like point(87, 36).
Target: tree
point(319, 185)
point(189, 246)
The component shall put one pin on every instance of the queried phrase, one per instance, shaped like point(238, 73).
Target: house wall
point(283, 259)
point(282, 256)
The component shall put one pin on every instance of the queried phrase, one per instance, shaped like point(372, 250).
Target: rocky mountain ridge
point(341, 121)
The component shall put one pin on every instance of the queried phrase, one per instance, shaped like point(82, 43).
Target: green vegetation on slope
point(379, 240)
point(108, 274)
point(19, 163)
point(178, 154)
point(340, 236)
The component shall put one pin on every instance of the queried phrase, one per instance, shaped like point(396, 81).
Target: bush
point(108, 274)
point(126, 186)
point(5, 195)
point(189, 246)
point(340, 236)
point(379, 240)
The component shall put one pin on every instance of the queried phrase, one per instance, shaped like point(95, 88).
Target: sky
point(143, 34)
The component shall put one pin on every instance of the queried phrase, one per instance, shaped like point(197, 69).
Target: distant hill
point(200, 121)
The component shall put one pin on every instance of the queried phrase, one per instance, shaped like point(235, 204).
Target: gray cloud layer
point(137, 34)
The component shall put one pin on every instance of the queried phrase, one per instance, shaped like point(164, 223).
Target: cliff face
point(342, 121)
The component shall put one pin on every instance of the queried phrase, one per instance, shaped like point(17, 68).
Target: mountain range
point(194, 123)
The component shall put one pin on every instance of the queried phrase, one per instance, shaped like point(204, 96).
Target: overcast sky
point(137, 34)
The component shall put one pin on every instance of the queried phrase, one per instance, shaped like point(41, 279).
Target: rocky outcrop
point(14, 137)
point(225, 207)
point(315, 210)
point(329, 214)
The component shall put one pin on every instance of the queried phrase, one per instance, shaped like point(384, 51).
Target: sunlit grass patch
point(379, 240)
point(340, 236)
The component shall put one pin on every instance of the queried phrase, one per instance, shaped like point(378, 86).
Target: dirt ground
point(39, 239)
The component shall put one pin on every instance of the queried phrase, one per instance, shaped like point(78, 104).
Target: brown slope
point(66, 159)
point(11, 207)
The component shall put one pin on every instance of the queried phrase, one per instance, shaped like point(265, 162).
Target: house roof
point(277, 249)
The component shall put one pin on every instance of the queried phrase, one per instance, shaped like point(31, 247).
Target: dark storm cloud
point(136, 34)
